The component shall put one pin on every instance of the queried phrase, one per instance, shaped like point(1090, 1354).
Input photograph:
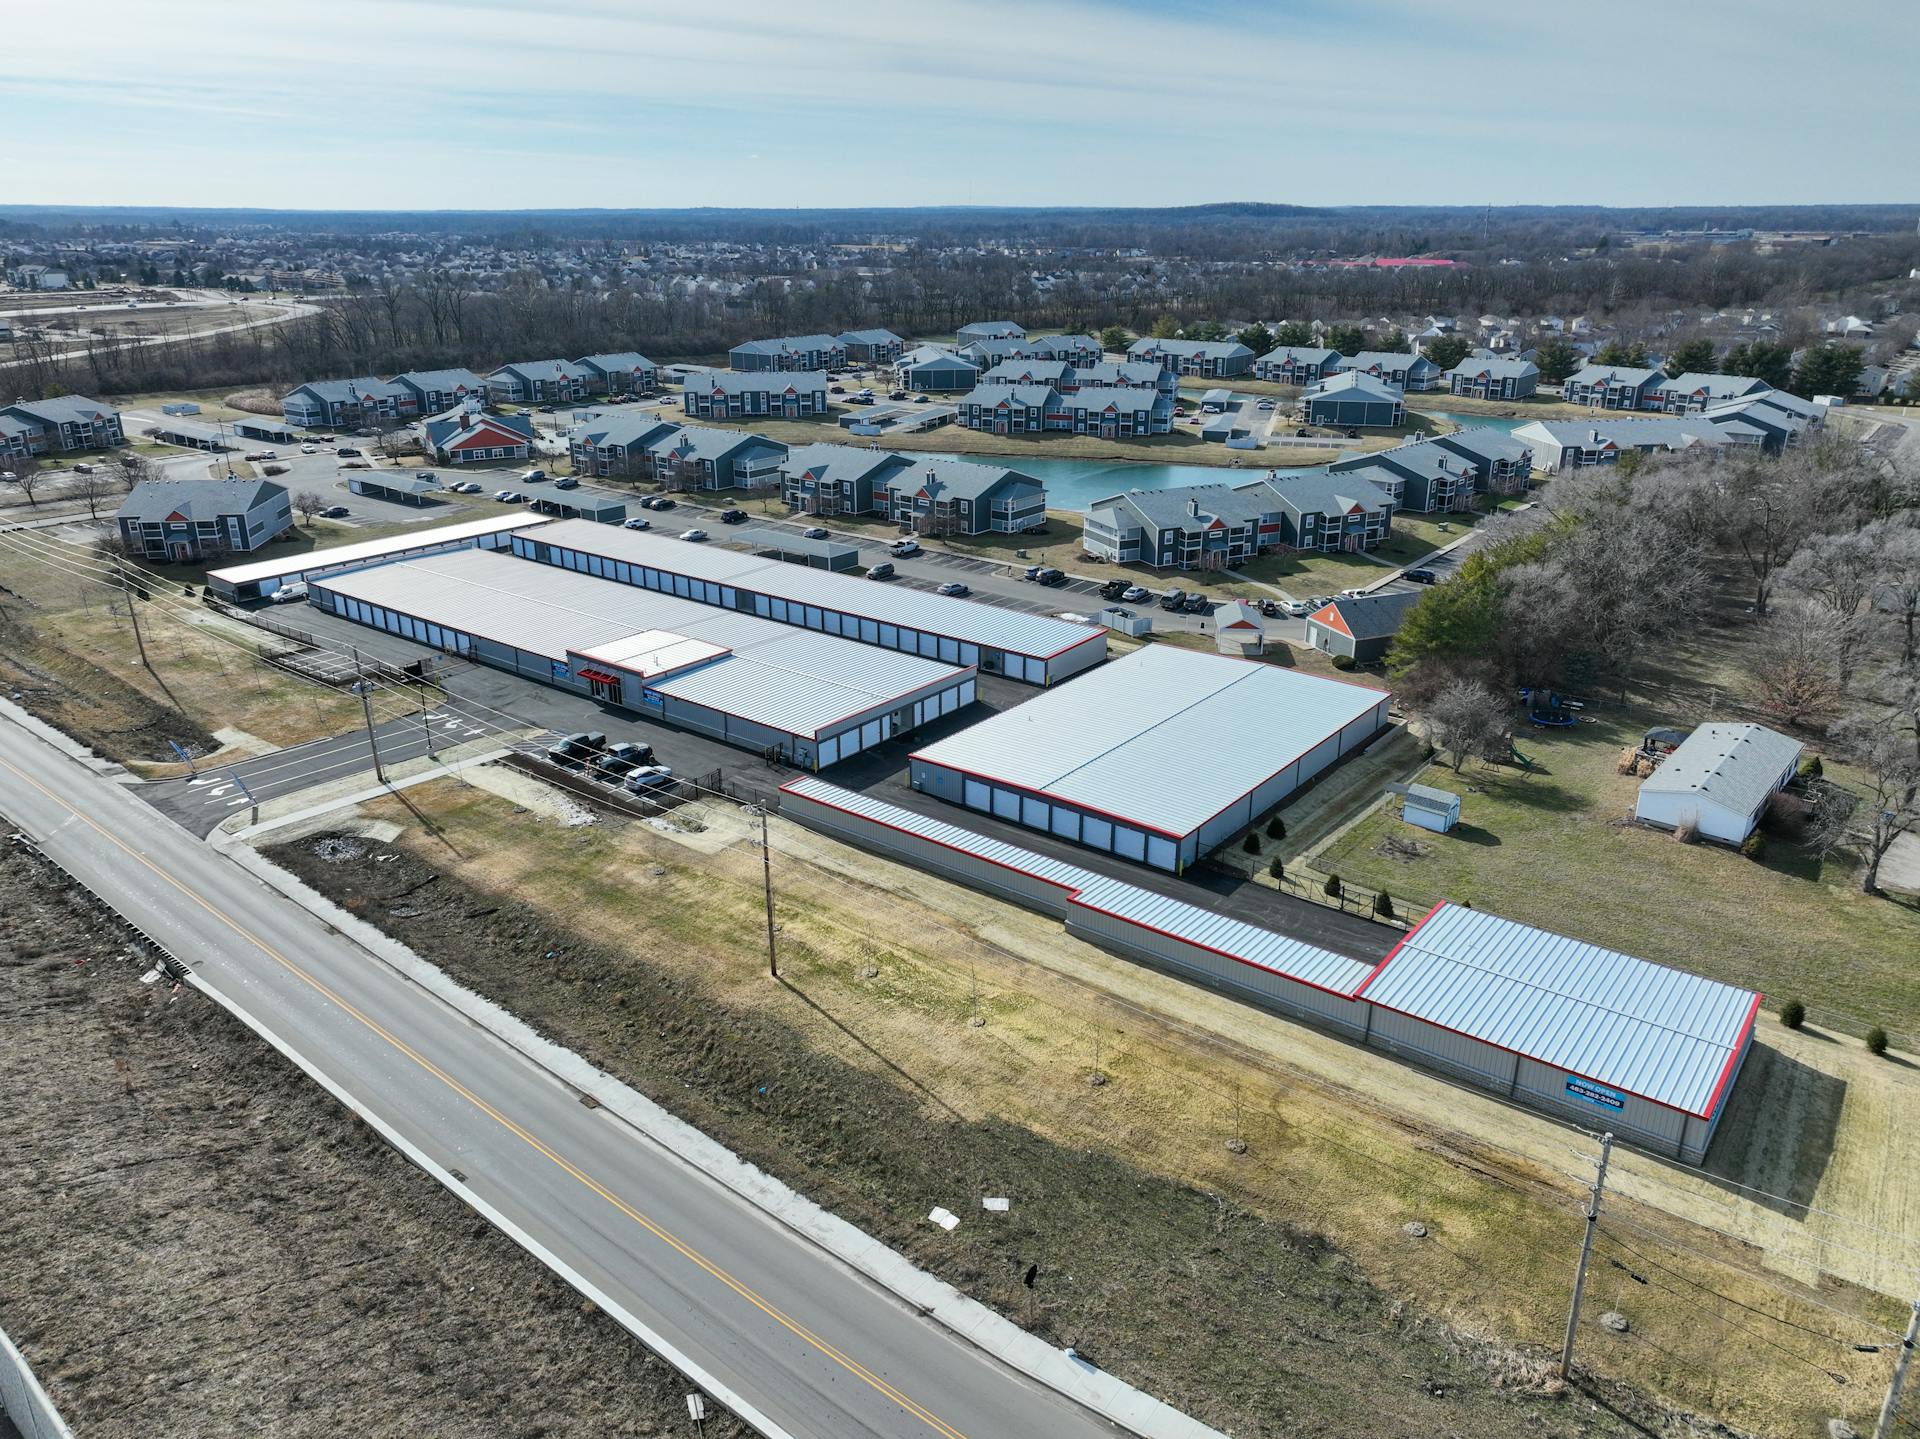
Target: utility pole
point(366, 708)
point(766, 870)
point(1586, 1252)
point(1890, 1410)
point(133, 612)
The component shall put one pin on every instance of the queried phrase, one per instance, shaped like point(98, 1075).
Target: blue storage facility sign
point(1596, 1094)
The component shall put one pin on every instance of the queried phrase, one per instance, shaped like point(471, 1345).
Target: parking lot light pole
point(766, 871)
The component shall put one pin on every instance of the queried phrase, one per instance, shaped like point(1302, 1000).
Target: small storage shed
point(1238, 630)
point(1719, 780)
point(1430, 808)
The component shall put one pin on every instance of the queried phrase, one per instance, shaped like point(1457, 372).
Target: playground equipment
point(1549, 709)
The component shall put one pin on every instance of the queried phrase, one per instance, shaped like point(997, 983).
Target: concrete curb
point(1105, 1395)
point(60, 740)
point(627, 1320)
point(361, 796)
point(23, 1400)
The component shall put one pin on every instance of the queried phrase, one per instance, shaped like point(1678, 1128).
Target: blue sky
point(526, 104)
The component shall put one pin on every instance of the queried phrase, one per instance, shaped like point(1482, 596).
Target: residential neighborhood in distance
point(678, 758)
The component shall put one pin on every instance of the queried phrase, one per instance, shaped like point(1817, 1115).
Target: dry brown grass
point(1342, 1142)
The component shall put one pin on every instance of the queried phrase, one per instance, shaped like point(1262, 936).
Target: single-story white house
point(1719, 780)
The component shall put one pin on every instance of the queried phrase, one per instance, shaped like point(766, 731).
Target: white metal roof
point(798, 681)
point(369, 551)
point(1235, 939)
point(952, 836)
point(1736, 766)
point(1659, 1033)
point(1165, 738)
point(985, 625)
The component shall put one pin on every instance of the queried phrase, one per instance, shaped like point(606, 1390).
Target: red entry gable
point(1330, 617)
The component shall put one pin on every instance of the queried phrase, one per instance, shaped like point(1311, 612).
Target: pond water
point(1074, 484)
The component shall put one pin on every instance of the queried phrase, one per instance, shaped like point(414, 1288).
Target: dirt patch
point(199, 1241)
point(99, 707)
point(1252, 1324)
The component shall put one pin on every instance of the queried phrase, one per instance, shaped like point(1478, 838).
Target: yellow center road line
point(792, 1325)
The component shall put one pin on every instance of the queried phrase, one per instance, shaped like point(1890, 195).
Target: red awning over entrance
point(599, 677)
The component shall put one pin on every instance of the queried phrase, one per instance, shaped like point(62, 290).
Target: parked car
point(83, 469)
point(836, 389)
point(901, 548)
point(505, 497)
point(574, 751)
point(1198, 605)
point(953, 588)
point(636, 523)
point(309, 449)
point(814, 532)
point(1173, 599)
point(1050, 576)
point(347, 452)
point(1420, 577)
point(651, 776)
point(566, 482)
point(1264, 405)
point(896, 394)
point(733, 517)
point(881, 571)
point(425, 475)
point(334, 512)
point(1113, 589)
point(1353, 434)
point(921, 400)
point(665, 502)
point(1294, 608)
point(532, 477)
point(622, 759)
point(693, 536)
point(1353, 594)
point(289, 594)
point(1031, 572)
point(1320, 602)
point(1137, 594)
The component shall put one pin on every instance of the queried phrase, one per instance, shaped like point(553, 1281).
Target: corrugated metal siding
point(985, 625)
point(1121, 741)
point(790, 680)
point(1231, 938)
point(372, 551)
point(1655, 1032)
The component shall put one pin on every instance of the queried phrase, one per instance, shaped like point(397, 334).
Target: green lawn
point(1553, 848)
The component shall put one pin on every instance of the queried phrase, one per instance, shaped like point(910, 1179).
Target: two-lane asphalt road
point(814, 1348)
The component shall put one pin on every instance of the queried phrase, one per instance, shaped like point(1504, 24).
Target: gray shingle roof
point(784, 343)
point(1320, 492)
point(956, 479)
point(622, 362)
point(1212, 349)
point(1356, 385)
point(1374, 617)
point(154, 500)
point(755, 382)
point(65, 410)
point(1495, 367)
point(842, 462)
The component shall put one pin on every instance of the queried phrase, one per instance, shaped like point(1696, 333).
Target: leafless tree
point(1467, 720)
point(27, 473)
point(129, 467)
point(1796, 674)
point(93, 488)
point(1836, 574)
point(1896, 578)
point(309, 503)
point(1885, 753)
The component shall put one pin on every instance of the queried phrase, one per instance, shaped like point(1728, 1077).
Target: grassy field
point(656, 971)
point(68, 647)
point(1554, 847)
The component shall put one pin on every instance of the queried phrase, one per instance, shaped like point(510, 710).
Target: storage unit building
point(1353, 398)
point(1719, 780)
point(1159, 757)
point(260, 427)
point(1567, 1028)
point(1601, 1038)
point(262, 577)
point(815, 698)
point(1034, 648)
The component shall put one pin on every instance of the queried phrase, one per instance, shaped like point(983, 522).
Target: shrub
point(1251, 844)
point(1383, 905)
point(273, 469)
point(1332, 887)
point(1793, 1014)
point(1754, 846)
point(1811, 768)
point(1876, 1040)
point(1343, 662)
point(1277, 869)
point(1276, 828)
